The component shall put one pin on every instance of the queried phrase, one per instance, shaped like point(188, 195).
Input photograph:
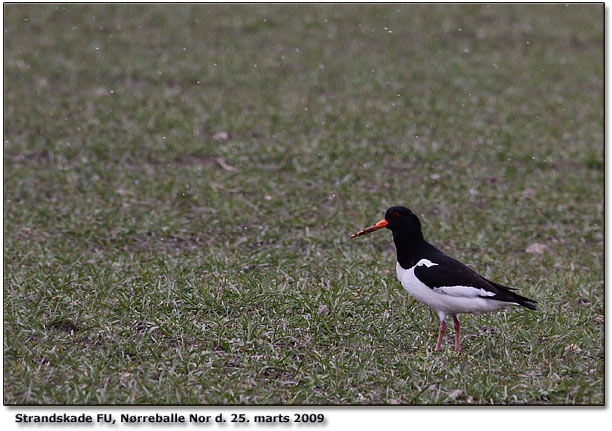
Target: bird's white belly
point(443, 302)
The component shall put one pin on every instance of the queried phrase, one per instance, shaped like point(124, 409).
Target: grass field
point(149, 258)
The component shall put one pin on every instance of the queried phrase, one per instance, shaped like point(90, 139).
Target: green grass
point(146, 262)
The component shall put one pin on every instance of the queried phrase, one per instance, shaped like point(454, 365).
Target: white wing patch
point(428, 263)
point(463, 291)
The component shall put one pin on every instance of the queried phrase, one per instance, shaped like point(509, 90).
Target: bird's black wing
point(449, 276)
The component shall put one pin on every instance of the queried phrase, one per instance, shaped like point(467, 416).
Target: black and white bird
point(439, 281)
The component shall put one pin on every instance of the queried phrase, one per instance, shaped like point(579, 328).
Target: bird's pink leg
point(441, 334)
point(457, 334)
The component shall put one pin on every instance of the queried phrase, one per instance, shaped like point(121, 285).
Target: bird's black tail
point(511, 296)
point(525, 302)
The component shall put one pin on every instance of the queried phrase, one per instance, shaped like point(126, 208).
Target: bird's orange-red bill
point(367, 230)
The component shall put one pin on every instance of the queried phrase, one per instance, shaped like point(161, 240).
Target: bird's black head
point(400, 220)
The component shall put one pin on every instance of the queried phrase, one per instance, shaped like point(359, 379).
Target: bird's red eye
point(395, 214)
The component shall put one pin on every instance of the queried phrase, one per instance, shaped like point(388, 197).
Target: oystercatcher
point(437, 280)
